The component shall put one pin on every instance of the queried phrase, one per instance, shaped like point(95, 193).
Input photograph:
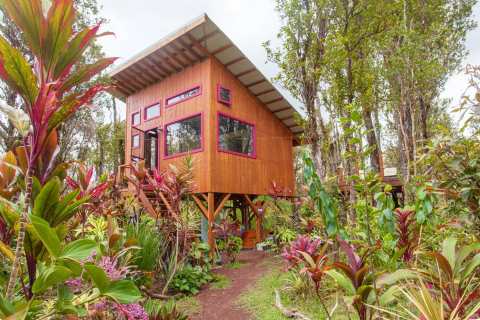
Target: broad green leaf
point(123, 291)
point(6, 307)
point(388, 296)
point(28, 16)
point(464, 252)
point(47, 235)
point(20, 314)
point(448, 250)
point(49, 277)
point(98, 276)
point(79, 249)
point(69, 210)
point(343, 281)
point(64, 302)
point(60, 19)
point(16, 71)
point(471, 266)
point(47, 198)
point(394, 277)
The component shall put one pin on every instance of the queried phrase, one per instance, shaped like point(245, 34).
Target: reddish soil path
point(220, 304)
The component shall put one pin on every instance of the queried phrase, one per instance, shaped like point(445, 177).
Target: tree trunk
point(372, 140)
point(21, 235)
point(424, 112)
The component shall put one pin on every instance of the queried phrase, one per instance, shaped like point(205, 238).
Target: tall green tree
point(305, 25)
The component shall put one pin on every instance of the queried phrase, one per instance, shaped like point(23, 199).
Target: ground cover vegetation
point(353, 244)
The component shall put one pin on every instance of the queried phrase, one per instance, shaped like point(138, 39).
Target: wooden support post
point(200, 205)
point(211, 220)
point(222, 204)
point(258, 225)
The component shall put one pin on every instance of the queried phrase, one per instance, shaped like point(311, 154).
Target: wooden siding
point(190, 77)
point(274, 142)
point(218, 171)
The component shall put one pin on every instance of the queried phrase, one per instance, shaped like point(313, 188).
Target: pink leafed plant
point(292, 255)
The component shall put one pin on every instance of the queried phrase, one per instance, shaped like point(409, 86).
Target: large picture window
point(236, 136)
point(183, 136)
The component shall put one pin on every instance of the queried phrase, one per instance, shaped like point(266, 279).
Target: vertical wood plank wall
point(198, 74)
point(217, 171)
point(274, 145)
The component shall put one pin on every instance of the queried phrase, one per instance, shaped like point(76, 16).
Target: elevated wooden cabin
point(194, 92)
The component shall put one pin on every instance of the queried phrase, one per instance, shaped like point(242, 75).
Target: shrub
point(190, 279)
point(163, 311)
point(231, 246)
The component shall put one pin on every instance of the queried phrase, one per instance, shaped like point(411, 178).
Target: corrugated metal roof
point(196, 41)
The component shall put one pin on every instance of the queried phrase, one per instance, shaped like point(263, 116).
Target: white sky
point(248, 23)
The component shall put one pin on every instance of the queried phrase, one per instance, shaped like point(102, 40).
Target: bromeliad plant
point(51, 88)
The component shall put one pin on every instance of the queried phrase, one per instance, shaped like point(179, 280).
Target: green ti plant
point(65, 263)
point(362, 286)
point(455, 276)
point(50, 87)
point(164, 311)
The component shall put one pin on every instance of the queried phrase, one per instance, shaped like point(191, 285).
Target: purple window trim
point(254, 133)
point(139, 119)
point(219, 97)
point(139, 142)
point(200, 91)
point(150, 106)
point(180, 154)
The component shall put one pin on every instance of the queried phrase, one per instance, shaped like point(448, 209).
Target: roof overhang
point(189, 45)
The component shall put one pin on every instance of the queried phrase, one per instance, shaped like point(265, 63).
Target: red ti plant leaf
point(45, 85)
point(407, 233)
point(85, 183)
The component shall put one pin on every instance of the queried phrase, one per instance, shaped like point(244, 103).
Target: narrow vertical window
point(136, 118)
point(236, 136)
point(135, 141)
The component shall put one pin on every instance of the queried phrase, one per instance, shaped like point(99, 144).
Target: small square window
point(136, 118)
point(136, 141)
point(224, 95)
point(152, 111)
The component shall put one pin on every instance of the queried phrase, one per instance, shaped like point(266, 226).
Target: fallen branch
point(294, 314)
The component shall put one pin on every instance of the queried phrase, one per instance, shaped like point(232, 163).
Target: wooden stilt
point(200, 206)
point(258, 220)
point(211, 220)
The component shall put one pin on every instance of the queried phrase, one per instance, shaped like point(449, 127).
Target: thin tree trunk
point(21, 235)
point(372, 140)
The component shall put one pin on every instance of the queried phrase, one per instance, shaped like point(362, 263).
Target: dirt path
point(220, 304)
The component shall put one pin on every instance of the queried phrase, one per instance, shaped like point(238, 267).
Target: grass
point(188, 305)
point(220, 281)
point(260, 299)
